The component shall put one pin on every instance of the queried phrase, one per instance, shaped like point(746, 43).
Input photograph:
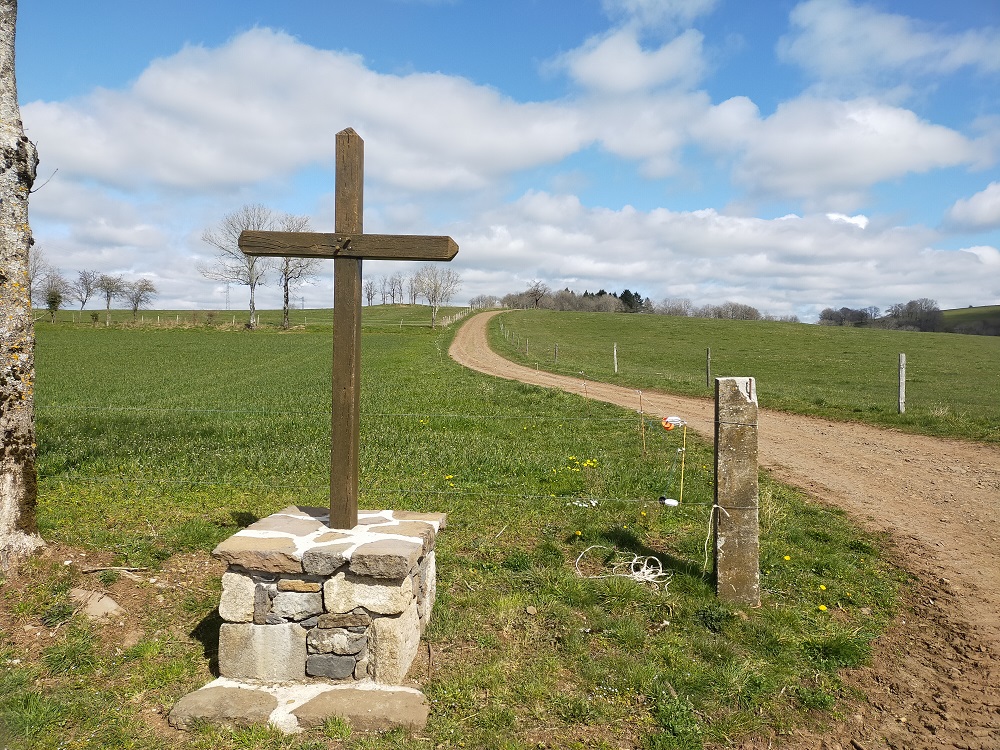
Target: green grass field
point(377, 316)
point(980, 319)
point(840, 373)
point(156, 444)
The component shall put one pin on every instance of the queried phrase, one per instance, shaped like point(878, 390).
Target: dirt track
point(935, 681)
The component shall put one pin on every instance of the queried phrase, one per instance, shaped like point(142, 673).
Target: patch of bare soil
point(934, 681)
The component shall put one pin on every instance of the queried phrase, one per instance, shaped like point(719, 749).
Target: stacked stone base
point(335, 616)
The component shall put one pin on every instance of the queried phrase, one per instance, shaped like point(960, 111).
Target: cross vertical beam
point(348, 246)
point(345, 426)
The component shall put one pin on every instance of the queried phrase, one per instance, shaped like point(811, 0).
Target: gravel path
point(935, 679)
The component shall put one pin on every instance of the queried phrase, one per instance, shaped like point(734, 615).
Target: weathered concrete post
point(902, 383)
point(737, 542)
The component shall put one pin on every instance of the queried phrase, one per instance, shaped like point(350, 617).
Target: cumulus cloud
point(829, 152)
point(980, 212)
point(143, 169)
point(793, 264)
point(616, 63)
point(837, 40)
point(243, 112)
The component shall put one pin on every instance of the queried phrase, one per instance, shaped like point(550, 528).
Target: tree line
point(916, 315)
point(233, 266)
point(48, 285)
point(435, 283)
point(539, 296)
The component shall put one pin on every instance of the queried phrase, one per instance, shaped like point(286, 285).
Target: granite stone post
point(736, 527)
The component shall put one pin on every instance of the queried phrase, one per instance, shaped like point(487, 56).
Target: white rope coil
point(646, 569)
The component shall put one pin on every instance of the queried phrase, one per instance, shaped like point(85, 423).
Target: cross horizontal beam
point(341, 245)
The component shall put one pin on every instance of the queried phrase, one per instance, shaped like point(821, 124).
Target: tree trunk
point(253, 310)
point(284, 309)
point(18, 160)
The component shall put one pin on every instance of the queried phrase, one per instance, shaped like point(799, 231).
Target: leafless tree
point(231, 265)
point(83, 288)
point(396, 287)
point(438, 285)
point(109, 287)
point(679, 306)
point(483, 301)
point(383, 287)
point(138, 294)
point(369, 289)
point(413, 287)
point(18, 478)
point(38, 269)
point(294, 271)
point(537, 291)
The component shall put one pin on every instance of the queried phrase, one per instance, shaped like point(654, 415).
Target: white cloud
point(837, 40)
point(860, 221)
point(653, 13)
point(788, 265)
point(829, 152)
point(143, 169)
point(265, 104)
point(617, 64)
point(650, 129)
point(978, 213)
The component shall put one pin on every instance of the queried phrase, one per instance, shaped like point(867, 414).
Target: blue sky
point(792, 155)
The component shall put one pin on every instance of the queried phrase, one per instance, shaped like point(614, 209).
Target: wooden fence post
point(736, 527)
point(616, 359)
point(708, 367)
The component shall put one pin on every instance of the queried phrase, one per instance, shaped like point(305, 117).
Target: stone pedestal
point(323, 608)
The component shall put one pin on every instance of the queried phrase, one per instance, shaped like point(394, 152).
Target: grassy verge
point(154, 445)
point(838, 373)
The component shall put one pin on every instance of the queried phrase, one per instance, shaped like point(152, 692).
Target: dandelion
point(449, 476)
point(579, 533)
point(643, 513)
point(788, 557)
point(822, 608)
point(822, 587)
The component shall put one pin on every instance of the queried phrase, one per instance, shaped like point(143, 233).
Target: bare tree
point(537, 291)
point(679, 306)
point(83, 288)
point(38, 269)
point(18, 478)
point(369, 291)
point(383, 287)
point(413, 287)
point(109, 287)
point(138, 294)
point(483, 301)
point(294, 271)
point(231, 264)
point(438, 285)
point(396, 287)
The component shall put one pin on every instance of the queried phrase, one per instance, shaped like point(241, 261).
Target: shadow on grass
point(625, 541)
point(243, 519)
point(207, 632)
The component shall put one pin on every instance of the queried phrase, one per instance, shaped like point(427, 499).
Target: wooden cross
point(348, 246)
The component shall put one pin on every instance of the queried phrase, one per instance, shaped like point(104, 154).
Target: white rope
point(641, 569)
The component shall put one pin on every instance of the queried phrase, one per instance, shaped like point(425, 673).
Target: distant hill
point(984, 320)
